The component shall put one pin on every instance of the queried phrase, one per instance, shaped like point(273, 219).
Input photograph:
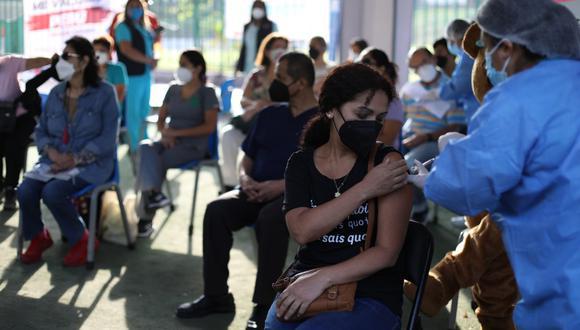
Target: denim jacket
point(92, 131)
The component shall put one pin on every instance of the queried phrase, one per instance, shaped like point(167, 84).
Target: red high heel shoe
point(37, 246)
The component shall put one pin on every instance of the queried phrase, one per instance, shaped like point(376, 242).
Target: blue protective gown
point(458, 88)
point(521, 161)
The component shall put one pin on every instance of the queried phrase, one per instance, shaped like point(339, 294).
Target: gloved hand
point(446, 138)
point(418, 175)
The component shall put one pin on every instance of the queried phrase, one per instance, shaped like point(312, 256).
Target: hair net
point(456, 29)
point(542, 26)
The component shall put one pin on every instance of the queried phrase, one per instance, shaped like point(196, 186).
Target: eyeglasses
point(67, 55)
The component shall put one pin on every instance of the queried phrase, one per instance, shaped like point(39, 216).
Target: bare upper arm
point(36, 62)
point(394, 210)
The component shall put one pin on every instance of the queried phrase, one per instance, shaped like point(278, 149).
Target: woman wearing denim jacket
point(77, 129)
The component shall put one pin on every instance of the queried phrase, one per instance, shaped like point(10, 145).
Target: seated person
point(77, 130)
point(14, 142)
point(193, 109)
point(255, 98)
point(267, 148)
point(114, 73)
point(379, 60)
point(428, 117)
point(328, 189)
point(458, 88)
point(316, 50)
point(357, 45)
point(445, 58)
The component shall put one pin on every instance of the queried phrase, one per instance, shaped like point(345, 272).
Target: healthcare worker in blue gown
point(521, 157)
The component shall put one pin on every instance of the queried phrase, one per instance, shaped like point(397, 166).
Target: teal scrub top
point(117, 74)
point(521, 162)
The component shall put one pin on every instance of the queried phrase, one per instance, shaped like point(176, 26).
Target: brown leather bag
point(339, 297)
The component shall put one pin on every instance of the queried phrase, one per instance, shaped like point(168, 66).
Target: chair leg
point(220, 178)
point(130, 243)
point(20, 238)
point(190, 229)
point(92, 230)
point(169, 195)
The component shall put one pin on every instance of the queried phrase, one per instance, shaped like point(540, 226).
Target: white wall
point(385, 24)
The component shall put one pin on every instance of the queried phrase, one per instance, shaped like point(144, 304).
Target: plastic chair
point(94, 190)
point(211, 160)
point(417, 253)
point(226, 89)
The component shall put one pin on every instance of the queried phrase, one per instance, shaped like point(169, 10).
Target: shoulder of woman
point(387, 151)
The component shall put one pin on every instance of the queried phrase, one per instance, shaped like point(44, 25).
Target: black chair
point(417, 253)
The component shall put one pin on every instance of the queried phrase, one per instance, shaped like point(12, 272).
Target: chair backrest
point(226, 95)
point(417, 253)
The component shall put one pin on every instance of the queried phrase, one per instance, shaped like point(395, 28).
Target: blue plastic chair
point(226, 95)
point(211, 160)
point(94, 190)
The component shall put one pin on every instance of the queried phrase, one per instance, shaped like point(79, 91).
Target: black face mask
point(279, 91)
point(359, 135)
point(314, 53)
point(442, 61)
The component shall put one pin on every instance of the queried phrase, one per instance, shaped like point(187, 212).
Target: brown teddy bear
point(480, 260)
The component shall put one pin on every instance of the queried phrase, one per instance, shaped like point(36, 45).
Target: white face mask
point(102, 57)
point(276, 53)
point(183, 75)
point(258, 13)
point(427, 73)
point(64, 69)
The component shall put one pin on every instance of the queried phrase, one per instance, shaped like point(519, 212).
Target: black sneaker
point(204, 306)
point(145, 228)
point(258, 317)
point(157, 200)
point(10, 199)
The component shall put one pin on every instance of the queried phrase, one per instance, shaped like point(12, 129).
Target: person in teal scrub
point(114, 73)
point(134, 41)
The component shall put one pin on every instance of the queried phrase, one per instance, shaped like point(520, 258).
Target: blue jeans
point(56, 195)
point(367, 314)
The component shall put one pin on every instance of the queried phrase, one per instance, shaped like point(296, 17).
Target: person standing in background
point(254, 32)
point(134, 40)
point(14, 143)
point(458, 88)
point(445, 59)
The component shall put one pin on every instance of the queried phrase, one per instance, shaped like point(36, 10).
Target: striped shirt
point(414, 97)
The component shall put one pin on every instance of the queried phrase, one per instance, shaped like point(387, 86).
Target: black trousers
point(13, 148)
point(232, 212)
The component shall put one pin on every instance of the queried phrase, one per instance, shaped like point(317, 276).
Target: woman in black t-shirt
point(327, 189)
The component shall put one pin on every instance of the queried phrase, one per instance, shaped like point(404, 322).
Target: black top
point(307, 187)
point(263, 30)
point(272, 140)
point(133, 68)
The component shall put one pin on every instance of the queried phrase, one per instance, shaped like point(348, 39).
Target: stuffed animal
point(480, 260)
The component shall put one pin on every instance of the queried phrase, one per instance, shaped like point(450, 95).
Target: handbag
point(7, 116)
point(338, 297)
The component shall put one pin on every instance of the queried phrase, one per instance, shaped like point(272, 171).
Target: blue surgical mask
point(495, 77)
point(136, 13)
point(455, 49)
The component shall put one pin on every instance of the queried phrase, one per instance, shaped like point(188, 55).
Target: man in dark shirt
point(274, 137)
